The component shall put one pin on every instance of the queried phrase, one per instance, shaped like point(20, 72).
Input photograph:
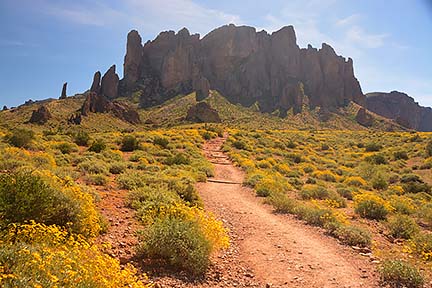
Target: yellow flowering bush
point(356, 181)
point(325, 175)
point(47, 256)
point(43, 197)
point(372, 206)
point(212, 228)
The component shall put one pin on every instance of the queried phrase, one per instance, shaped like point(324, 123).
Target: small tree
point(82, 138)
point(98, 146)
point(20, 137)
point(129, 143)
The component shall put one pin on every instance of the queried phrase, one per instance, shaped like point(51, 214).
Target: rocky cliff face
point(401, 108)
point(99, 97)
point(243, 65)
point(40, 116)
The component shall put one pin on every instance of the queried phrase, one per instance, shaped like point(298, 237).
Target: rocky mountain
point(244, 65)
point(401, 108)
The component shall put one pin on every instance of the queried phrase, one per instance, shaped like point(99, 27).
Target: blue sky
point(44, 43)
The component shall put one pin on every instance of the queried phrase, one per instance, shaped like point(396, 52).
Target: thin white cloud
point(7, 42)
point(94, 14)
point(176, 14)
point(348, 20)
point(358, 35)
point(148, 16)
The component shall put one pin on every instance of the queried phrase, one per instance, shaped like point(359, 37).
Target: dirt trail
point(278, 250)
point(122, 223)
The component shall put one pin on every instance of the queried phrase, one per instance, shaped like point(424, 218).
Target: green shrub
point(178, 159)
point(161, 141)
point(314, 215)
point(412, 183)
point(131, 180)
point(66, 148)
point(425, 215)
point(337, 199)
point(97, 179)
point(180, 243)
point(377, 159)
point(397, 274)
point(20, 137)
point(372, 208)
point(252, 179)
point(185, 188)
point(25, 196)
point(129, 143)
point(345, 192)
point(216, 129)
point(291, 144)
point(93, 167)
point(268, 185)
point(379, 182)
point(373, 147)
point(155, 195)
point(400, 155)
point(117, 167)
point(353, 236)
point(402, 226)
point(82, 138)
point(422, 245)
point(97, 146)
point(282, 203)
point(239, 144)
point(207, 135)
point(314, 192)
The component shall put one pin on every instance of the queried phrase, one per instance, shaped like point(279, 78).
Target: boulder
point(363, 118)
point(63, 93)
point(125, 112)
point(203, 113)
point(95, 103)
point(5, 108)
point(40, 116)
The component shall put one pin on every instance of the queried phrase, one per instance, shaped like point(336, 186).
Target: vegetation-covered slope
point(367, 189)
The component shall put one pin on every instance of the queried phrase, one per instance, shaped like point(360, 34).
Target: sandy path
point(279, 250)
point(122, 223)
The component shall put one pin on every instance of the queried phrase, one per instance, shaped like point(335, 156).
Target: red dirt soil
point(279, 250)
point(267, 250)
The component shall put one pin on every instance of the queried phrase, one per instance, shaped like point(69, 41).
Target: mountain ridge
point(401, 108)
point(243, 65)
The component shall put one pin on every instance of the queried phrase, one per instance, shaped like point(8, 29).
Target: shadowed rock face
point(63, 93)
point(95, 87)
point(401, 108)
point(40, 116)
point(243, 65)
point(364, 118)
point(109, 84)
point(203, 113)
point(98, 99)
point(97, 103)
point(133, 59)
